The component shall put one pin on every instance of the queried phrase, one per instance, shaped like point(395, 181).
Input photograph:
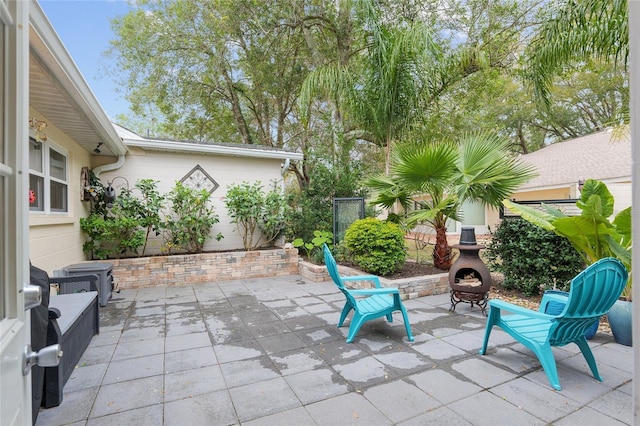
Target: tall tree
point(213, 68)
point(382, 94)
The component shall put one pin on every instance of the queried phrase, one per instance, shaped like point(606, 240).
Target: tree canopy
point(342, 81)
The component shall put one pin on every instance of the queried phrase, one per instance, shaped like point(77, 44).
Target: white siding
point(55, 240)
point(621, 194)
point(169, 167)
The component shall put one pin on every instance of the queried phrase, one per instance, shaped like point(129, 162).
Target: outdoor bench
point(73, 321)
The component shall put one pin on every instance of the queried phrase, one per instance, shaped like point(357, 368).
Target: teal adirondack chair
point(593, 291)
point(379, 301)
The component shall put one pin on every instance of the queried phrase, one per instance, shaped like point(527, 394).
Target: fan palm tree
point(577, 30)
point(440, 177)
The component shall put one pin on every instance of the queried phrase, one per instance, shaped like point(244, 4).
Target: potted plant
point(594, 236)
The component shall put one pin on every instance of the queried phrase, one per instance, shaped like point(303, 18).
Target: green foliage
point(188, 225)
point(592, 234)
point(312, 208)
point(319, 238)
point(148, 208)
point(115, 232)
point(253, 210)
point(531, 258)
point(439, 176)
point(376, 246)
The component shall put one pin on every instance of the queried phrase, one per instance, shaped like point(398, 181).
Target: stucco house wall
point(168, 167)
point(55, 239)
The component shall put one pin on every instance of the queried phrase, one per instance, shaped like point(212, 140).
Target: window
point(48, 178)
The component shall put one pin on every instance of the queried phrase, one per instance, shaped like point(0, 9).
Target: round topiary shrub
point(532, 258)
point(376, 246)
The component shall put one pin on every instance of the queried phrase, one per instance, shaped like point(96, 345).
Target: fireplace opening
point(467, 277)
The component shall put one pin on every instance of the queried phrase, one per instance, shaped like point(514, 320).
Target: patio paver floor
point(268, 352)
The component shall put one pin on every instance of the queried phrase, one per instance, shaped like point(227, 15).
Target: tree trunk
point(442, 251)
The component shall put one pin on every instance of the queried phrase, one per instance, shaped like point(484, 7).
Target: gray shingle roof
point(602, 156)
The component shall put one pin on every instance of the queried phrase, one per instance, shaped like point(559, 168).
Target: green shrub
point(188, 225)
point(376, 246)
point(113, 232)
point(312, 208)
point(260, 217)
point(531, 258)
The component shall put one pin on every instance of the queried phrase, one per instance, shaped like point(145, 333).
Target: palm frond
point(577, 30)
point(426, 168)
point(487, 171)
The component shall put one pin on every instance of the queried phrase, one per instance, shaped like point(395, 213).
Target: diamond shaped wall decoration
point(198, 179)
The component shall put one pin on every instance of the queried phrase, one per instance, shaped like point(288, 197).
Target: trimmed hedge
point(531, 258)
point(376, 246)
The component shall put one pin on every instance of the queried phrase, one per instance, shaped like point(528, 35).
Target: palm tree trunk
point(442, 251)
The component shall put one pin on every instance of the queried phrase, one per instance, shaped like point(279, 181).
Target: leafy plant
point(377, 246)
point(253, 210)
point(115, 232)
point(312, 208)
point(319, 238)
point(531, 258)
point(149, 208)
point(188, 225)
point(592, 234)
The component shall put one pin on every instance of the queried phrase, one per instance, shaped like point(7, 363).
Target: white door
point(15, 387)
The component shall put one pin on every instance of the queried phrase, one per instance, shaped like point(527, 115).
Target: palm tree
point(577, 30)
point(382, 91)
point(440, 177)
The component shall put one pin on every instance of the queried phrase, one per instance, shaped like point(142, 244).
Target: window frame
point(46, 147)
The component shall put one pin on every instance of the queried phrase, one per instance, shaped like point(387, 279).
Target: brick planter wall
point(409, 287)
point(182, 269)
point(175, 270)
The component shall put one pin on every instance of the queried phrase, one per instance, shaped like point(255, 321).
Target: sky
point(84, 26)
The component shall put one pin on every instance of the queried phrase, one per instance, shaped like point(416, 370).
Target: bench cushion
point(71, 306)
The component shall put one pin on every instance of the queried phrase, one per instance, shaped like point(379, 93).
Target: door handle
point(48, 356)
point(32, 296)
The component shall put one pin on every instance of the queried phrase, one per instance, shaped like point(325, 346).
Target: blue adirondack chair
point(377, 302)
point(593, 291)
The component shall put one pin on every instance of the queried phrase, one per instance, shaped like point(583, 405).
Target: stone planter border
point(182, 269)
point(409, 287)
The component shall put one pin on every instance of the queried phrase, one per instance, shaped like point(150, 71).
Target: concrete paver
point(267, 351)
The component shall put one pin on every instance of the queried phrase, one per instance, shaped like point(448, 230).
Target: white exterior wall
point(169, 167)
point(621, 194)
point(55, 239)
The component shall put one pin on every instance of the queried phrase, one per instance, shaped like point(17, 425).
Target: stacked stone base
point(410, 288)
point(177, 270)
point(183, 269)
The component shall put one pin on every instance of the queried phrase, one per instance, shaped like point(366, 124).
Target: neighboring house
point(563, 166)
point(69, 134)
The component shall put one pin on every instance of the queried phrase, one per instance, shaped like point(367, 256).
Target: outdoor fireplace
point(469, 277)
